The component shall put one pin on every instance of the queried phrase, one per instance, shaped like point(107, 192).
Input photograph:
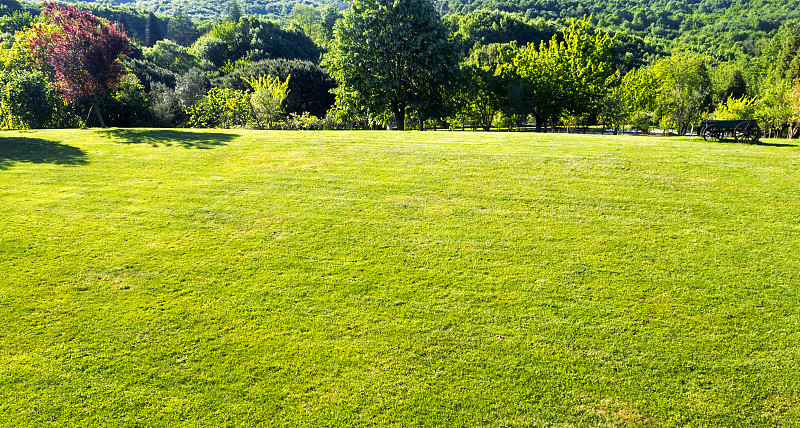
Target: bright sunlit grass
point(237, 278)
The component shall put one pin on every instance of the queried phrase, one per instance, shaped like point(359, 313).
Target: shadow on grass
point(36, 150)
point(761, 143)
point(170, 137)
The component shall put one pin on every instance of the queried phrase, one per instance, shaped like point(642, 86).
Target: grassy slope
point(208, 278)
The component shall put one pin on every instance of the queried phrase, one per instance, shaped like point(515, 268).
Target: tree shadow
point(170, 137)
point(36, 150)
point(761, 143)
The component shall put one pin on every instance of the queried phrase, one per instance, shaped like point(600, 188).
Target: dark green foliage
point(262, 39)
point(253, 39)
point(134, 21)
point(632, 51)
point(153, 32)
point(127, 104)
point(181, 30)
point(15, 22)
point(389, 57)
point(492, 26)
point(234, 12)
point(149, 73)
point(724, 29)
point(736, 86)
point(8, 7)
point(309, 86)
point(28, 100)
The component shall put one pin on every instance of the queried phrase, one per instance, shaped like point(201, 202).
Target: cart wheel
point(713, 133)
point(747, 132)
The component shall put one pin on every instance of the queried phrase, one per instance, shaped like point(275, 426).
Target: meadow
point(207, 278)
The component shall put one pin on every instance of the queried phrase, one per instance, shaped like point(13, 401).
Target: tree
point(685, 90)
point(392, 56)
point(309, 88)
point(171, 56)
point(307, 19)
point(774, 108)
point(84, 52)
point(630, 99)
point(252, 39)
point(482, 93)
point(495, 26)
point(153, 31)
point(328, 18)
point(182, 30)
point(234, 12)
point(27, 99)
point(567, 77)
point(794, 108)
point(268, 99)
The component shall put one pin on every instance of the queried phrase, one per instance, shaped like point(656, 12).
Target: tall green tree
point(234, 12)
point(483, 89)
point(567, 76)
point(182, 30)
point(684, 94)
point(392, 55)
point(26, 99)
point(631, 98)
point(153, 31)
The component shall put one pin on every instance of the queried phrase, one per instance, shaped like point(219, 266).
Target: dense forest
point(541, 63)
point(719, 27)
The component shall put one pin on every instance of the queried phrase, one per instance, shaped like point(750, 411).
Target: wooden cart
point(745, 131)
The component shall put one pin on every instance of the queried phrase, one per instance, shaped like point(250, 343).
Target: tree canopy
point(84, 52)
point(389, 56)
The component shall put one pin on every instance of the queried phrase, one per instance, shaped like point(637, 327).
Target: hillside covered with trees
point(724, 27)
point(377, 65)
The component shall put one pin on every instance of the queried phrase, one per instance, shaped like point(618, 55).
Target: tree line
point(378, 64)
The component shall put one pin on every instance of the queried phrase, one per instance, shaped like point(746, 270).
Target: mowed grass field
point(350, 279)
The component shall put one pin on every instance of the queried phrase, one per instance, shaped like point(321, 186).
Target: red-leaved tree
point(84, 51)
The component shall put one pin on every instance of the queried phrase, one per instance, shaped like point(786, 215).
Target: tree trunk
point(400, 116)
point(421, 123)
point(97, 113)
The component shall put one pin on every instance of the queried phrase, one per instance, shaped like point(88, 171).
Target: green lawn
point(246, 278)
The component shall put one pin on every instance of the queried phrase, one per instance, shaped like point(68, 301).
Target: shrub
point(221, 108)
point(191, 86)
point(305, 121)
point(27, 100)
point(309, 88)
point(166, 106)
point(127, 105)
point(268, 99)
